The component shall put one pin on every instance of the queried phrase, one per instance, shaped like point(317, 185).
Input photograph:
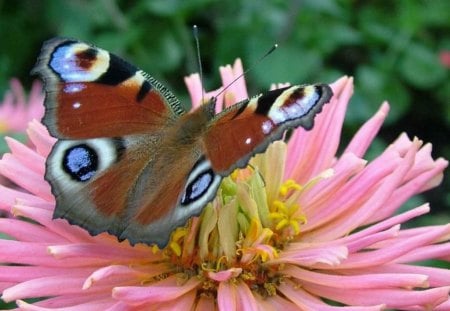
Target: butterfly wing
point(92, 93)
point(110, 119)
point(248, 127)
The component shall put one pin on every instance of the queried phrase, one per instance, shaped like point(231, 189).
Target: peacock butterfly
point(129, 160)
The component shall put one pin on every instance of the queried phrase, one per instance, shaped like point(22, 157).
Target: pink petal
point(410, 188)
point(116, 275)
point(426, 252)
point(392, 252)
point(379, 227)
point(37, 254)
point(306, 301)
point(19, 274)
point(307, 255)
point(238, 89)
point(198, 94)
point(275, 303)
point(205, 303)
point(195, 88)
point(27, 156)
point(365, 135)
point(370, 240)
point(184, 302)
point(436, 276)
point(57, 226)
point(40, 137)
point(90, 306)
point(346, 166)
point(116, 252)
point(28, 232)
point(247, 301)
point(45, 286)
point(17, 172)
point(378, 280)
point(443, 306)
point(374, 203)
point(315, 200)
point(347, 199)
point(393, 298)
point(224, 275)
point(227, 296)
point(165, 290)
point(322, 141)
point(9, 196)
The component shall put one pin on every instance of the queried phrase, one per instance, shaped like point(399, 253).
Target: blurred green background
point(392, 48)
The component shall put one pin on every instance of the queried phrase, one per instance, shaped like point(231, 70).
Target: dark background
point(392, 48)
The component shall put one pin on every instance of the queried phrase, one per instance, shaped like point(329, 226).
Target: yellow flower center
point(238, 234)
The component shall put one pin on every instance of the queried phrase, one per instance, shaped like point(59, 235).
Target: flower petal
point(227, 296)
point(165, 290)
point(306, 301)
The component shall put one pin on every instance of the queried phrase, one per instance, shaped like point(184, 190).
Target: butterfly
point(129, 160)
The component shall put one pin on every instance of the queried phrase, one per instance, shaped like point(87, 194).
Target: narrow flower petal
point(90, 306)
point(27, 232)
point(393, 298)
point(205, 303)
point(115, 275)
point(44, 286)
point(165, 290)
point(393, 251)
point(322, 141)
point(364, 137)
point(9, 197)
point(305, 301)
point(224, 275)
point(40, 138)
point(31, 181)
point(359, 281)
point(247, 301)
point(227, 296)
point(26, 155)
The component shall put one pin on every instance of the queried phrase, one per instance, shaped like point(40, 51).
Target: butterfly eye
point(198, 187)
point(80, 162)
point(201, 185)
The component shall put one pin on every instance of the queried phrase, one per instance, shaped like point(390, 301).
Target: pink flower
point(16, 111)
point(301, 225)
point(444, 57)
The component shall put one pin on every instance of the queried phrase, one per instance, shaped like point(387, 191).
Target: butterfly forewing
point(92, 93)
point(249, 127)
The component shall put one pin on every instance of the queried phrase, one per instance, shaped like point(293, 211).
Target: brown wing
point(93, 93)
point(249, 127)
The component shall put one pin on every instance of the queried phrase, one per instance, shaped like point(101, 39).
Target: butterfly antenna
point(273, 48)
point(199, 59)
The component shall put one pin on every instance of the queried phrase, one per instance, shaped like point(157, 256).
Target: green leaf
point(421, 67)
point(373, 86)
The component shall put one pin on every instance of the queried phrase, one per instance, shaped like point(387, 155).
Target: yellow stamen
point(283, 223)
point(155, 249)
point(176, 248)
point(288, 185)
point(270, 288)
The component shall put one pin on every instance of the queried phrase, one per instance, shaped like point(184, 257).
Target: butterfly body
point(129, 160)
